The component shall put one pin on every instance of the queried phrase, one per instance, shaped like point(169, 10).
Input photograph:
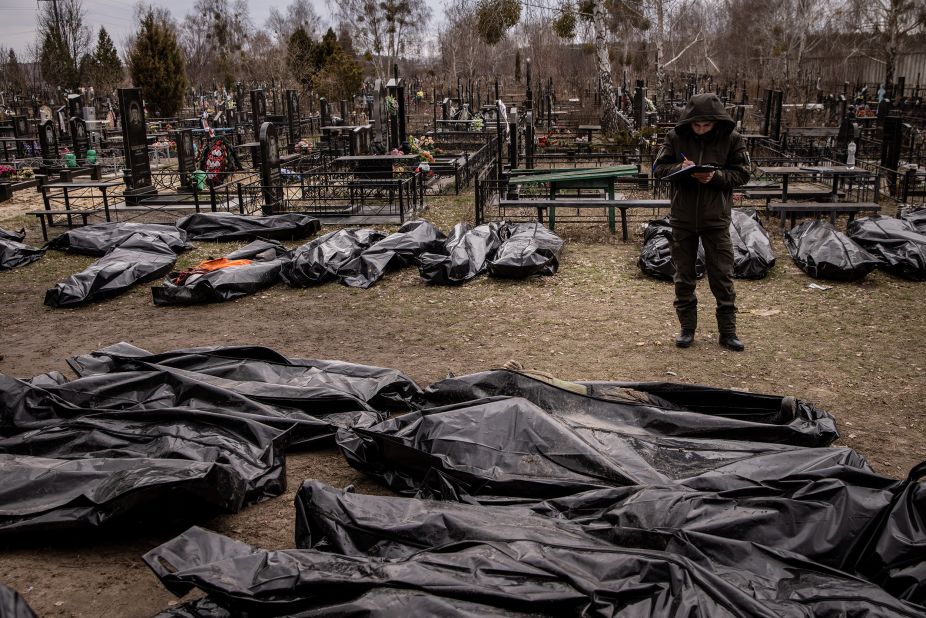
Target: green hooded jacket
point(696, 205)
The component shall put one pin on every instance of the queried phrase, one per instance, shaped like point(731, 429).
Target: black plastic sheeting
point(15, 236)
point(319, 261)
point(598, 499)
point(14, 254)
point(12, 605)
point(138, 259)
point(179, 433)
point(229, 283)
point(101, 238)
point(465, 255)
point(897, 243)
point(395, 251)
point(530, 249)
point(228, 227)
point(916, 216)
point(702, 465)
point(656, 255)
point(592, 554)
point(752, 250)
point(822, 251)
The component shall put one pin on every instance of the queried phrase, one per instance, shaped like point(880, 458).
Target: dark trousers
point(718, 257)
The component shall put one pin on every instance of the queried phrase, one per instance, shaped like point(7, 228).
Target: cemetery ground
point(855, 349)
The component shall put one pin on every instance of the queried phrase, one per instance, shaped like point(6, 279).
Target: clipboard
point(685, 172)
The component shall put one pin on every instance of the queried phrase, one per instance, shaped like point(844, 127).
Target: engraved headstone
point(271, 182)
point(135, 144)
point(48, 141)
point(186, 157)
point(80, 139)
point(292, 118)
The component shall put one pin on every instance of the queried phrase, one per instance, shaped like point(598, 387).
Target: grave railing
point(344, 195)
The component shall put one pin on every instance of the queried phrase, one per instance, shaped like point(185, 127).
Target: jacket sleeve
point(736, 170)
point(667, 160)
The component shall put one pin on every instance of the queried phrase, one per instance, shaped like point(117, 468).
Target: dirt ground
point(855, 349)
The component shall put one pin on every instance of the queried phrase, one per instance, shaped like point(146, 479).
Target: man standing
point(701, 203)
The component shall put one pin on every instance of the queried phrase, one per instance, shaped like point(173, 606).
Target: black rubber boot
point(730, 342)
point(685, 338)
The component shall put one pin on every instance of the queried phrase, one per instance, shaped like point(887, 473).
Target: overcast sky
point(18, 29)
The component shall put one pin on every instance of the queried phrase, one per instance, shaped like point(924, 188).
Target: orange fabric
point(210, 265)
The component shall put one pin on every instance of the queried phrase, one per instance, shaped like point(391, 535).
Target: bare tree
point(299, 14)
point(891, 22)
point(65, 39)
point(384, 30)
point(215, 37)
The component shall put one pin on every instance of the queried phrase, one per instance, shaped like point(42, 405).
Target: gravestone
point(135, 146)
point(80, 139)
point(271, 181)
point(61, 118)
point(891, 144)
point(848, 131)
point(774, 126)
point(324, 112)
point(48, 141)
point(841, 106)
point(345, 116)
point(513, 145)
point(20, 131)
point(377, 116)
point(639, 105)
point(397, 123)
point(239, 101)
point(738, 114)
point(20, 126)
point(445, 109)
point(292, 117)
point(75, 106)
point(258, 117)
point(186, 157)
point(884, 109)
point(771, 118)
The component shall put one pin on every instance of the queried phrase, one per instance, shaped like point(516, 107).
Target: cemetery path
point(853, 349)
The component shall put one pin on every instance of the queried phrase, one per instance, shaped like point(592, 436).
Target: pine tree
point(58, 67)
point(340, 78)
point(156, 66)
point(108, 66)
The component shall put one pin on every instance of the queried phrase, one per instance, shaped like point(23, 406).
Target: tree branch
point(686, 48)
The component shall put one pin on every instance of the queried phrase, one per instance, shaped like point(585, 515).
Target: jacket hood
point(704, 107)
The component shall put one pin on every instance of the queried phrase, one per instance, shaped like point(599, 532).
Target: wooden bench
point(793, 209)
point(806, 193)
point(43, 214)
point(71, 173)
point(551, 205)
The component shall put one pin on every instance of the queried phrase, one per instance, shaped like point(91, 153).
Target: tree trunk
point(611, 120)
point(893, 29)
point(660, 48)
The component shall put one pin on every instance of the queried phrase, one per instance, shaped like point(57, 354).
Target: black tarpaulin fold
point(822, 251)
point(528, 249)
point(137, 259)
point(227, 227)
point(101, 238)
point(897, 243)
point(465, 255)
point(319, 261)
